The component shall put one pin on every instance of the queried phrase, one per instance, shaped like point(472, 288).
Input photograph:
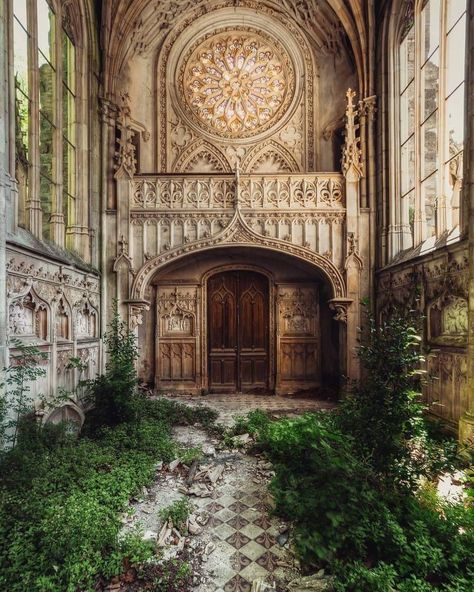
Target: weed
point(178, 512)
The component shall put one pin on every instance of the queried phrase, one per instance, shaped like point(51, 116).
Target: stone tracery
point(237, 84)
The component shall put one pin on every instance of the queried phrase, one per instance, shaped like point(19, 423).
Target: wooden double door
point(238, 331)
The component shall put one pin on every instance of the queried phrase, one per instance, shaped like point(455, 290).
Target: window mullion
point(35, 213)
point(443, 208)
point(419, 217)
point(57, 221)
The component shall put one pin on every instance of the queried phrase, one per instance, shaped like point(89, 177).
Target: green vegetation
point(15, 399)
point(61, 497)
point(357, 484)
point(178, 512)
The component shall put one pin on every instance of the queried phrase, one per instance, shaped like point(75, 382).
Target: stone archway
point(300, 319)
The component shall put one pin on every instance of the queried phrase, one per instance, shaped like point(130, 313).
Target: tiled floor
point(246, 542)
point(231, 405)
point(242, 529)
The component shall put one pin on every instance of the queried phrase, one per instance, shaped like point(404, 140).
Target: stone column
point(466, 423)
point(6, 181)
point(125, 169)
point(352, 170)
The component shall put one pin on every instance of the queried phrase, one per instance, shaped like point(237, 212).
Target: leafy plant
point(350, 481)
point(178, 512)
point(189, 455)
point(383, 414)
point(16, 401)
point(166, 576)
point(114, 397)
point(254, 423)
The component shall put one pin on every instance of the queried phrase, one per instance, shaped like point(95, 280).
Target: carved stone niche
point(69, 413)
point(28, 317)
point(86, 321)
point(63, 322)
point(448, 321)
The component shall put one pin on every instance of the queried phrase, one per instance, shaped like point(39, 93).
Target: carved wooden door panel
point(238, 331)
point(298, 337)
point(222, 319)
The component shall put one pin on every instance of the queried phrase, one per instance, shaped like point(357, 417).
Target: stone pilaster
point(352, 170)
point(466, 423)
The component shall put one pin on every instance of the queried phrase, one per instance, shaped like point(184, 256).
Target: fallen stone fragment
point(215, 474)
point(283, 538)
point(260, 585)
point(192, 472)
point(315, 583)
point(193, 526)
point(165, 534)
point(159, 466)
point(174, 464)
point(200, 490)
point(209, 450)
point(242, 438)
point(150, 535)
point(209, 548)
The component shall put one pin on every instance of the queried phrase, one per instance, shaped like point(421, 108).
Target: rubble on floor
point(230, 539)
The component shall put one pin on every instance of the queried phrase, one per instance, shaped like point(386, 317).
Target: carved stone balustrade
point(168, 211)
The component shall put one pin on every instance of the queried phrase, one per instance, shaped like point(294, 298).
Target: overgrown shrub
point(177, 413)
point(254, 423)
point(383, 413)
point(113, 397)
point(60, 507)
point(351, 481)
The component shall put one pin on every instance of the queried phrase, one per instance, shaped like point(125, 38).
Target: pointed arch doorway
point(238, 319)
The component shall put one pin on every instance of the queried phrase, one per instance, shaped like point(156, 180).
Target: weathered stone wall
point(435, 277)
point(49, 295)
point(436, 287)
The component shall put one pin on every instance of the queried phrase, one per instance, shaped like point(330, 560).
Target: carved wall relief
point(28, 317)
point(448, 321)
point(438, 288)
point(298, 336)
point(69, 413)
point(447, 375)
point(237, 76)
point(44, 297)
point(86, 322)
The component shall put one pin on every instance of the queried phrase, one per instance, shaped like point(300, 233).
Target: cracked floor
point(240, 544)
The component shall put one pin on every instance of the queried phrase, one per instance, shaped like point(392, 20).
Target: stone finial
point(351, 156)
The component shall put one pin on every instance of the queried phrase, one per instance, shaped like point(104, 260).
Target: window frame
point(415, 232)
point(32, 214)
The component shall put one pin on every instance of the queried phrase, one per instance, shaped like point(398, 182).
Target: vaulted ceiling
point(138, 27)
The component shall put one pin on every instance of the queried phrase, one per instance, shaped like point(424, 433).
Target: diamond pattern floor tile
point(253, 550)
point(224, 531)
point(240, 523)
point(238, 584)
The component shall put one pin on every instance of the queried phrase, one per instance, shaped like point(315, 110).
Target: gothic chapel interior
point(239, 175)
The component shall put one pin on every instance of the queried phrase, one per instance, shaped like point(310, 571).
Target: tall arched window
point(46, 117)
point(431, 52)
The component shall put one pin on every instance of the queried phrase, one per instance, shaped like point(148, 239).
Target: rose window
point(237, 84)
